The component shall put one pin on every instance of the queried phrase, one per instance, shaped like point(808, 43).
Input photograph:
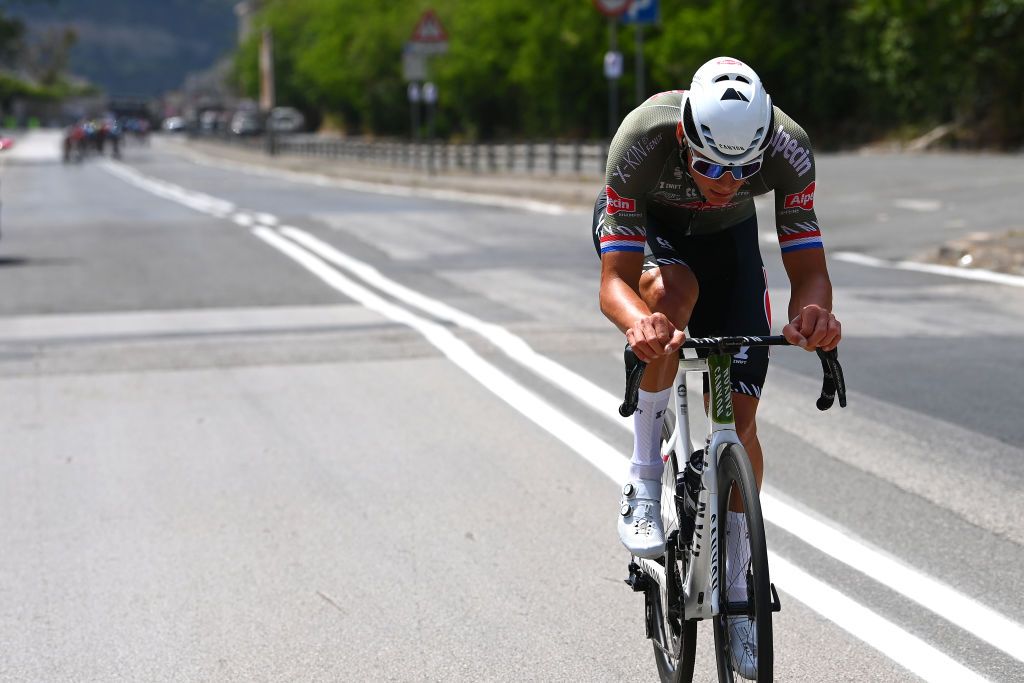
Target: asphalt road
point(266, 428)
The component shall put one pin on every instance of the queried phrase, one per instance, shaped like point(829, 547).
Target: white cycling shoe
point(639, 524)
point(743, 646)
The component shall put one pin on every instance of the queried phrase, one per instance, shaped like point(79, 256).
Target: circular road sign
point(613, 8)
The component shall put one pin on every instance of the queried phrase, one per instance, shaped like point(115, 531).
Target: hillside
point(138, 47)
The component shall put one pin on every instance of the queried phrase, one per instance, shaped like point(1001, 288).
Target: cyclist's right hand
point(654, 336)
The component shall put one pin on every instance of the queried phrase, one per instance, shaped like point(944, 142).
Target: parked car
point(174, 124)
point(286, 120)
point(246, 123)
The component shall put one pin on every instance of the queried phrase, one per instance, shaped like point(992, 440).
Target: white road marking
point(950, 271)
point(243, 219)
point(548, 417)
point(908, 650)
point(924, 205)
point(902, 647)
point(955, 607)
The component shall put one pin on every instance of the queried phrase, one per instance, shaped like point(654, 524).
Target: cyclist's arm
point(791, 162)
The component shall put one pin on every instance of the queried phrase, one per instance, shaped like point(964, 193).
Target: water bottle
point(691, 478)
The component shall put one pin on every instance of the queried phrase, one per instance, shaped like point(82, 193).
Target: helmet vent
point(733, 94)
point(689, 127)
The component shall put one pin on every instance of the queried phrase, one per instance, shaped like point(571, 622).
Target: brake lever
point(833, 383)
point(634, 373)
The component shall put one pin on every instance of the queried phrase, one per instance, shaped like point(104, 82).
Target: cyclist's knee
point(671, 290)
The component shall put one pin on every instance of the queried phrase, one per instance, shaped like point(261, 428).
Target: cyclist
point(682, 173)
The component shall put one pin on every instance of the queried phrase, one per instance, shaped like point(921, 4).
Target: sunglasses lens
point(745, 171)
point(715, 171)
point(708, 169)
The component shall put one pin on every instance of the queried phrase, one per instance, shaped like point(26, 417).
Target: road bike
point(688, 583)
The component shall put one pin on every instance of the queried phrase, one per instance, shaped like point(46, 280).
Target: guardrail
point(549, 157)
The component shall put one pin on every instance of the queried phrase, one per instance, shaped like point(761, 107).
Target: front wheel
point(743, 642)
point(674, 639)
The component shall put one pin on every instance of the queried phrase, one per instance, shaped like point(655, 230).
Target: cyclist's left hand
point(814, 327)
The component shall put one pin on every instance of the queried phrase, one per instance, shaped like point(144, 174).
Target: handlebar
point(833, 384)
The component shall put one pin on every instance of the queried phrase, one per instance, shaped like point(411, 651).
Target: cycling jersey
point(648, 177)
point(651, 203)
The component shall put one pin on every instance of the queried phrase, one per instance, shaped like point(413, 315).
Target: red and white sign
point(617, 203)
point(613, 8)
point(429, 29)
point(804, 199)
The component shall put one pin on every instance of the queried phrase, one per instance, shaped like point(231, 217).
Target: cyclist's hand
point(814, 327)
point(654, 336)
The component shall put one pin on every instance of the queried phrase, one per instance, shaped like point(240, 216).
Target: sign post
point(613, 9)
point(428, 39)
point(641, 13)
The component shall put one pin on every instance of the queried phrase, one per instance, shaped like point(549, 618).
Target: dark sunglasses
point(713, 171)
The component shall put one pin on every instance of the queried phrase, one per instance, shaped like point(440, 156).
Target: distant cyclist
point(676, 230)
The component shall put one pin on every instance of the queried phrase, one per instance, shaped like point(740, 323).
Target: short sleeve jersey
point(648, 177)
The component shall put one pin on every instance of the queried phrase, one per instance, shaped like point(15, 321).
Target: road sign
point(612, 8)
point(613, 65)
point(415, 94)
point(429, 29)
point(641, 12)
point(414, 64)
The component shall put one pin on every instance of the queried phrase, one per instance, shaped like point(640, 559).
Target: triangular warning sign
point(429, 29)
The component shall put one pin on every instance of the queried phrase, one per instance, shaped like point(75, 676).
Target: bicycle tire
point(736, 474)
point(676, 636)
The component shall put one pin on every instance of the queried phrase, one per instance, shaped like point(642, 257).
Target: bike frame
point(701, 581)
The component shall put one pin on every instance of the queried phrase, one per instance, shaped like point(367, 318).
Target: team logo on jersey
point(617, 203)
point(797, 156)
point(804, 199)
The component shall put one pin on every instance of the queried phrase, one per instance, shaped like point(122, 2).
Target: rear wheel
point(674, 639)
point(752, 631)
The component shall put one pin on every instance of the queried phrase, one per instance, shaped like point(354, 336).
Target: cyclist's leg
point(749, 313)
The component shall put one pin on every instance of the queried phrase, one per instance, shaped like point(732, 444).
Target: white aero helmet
point(727, 115)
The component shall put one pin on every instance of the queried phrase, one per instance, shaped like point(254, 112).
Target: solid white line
point(898, 645)
point(955, 607)
point(579, 439)
point(950, 271)
point(512, 345)
point(834, 541)
point(924, 205)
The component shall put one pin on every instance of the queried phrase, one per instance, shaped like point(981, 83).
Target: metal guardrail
point(550, 157)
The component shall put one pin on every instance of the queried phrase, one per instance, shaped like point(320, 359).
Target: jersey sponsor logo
point(670, 186)
point(636, 154)
point(617, 203)
point(664, 243)
point(804, 199)
point(798, 157)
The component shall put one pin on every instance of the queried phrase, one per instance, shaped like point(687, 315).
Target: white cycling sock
point(647, 422)
point(737, 556)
